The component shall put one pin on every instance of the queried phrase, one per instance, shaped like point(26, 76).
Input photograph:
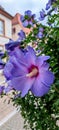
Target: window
point(1, 27)
point(13, 30)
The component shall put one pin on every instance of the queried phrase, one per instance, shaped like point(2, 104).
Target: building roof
point(6, 14)
point(15, 20)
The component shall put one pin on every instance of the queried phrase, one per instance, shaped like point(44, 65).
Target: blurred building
point(10, 26)
point(17, 26)
point(5, 26)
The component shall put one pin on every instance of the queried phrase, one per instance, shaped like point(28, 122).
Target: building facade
point(5, 27)
point(10, 26)
point(17, 26)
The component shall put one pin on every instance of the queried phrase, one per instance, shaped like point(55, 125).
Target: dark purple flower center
point(33, 71)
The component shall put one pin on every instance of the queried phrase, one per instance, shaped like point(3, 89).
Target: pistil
point(33, 73)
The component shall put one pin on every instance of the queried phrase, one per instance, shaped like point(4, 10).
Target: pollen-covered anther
point(33, 73)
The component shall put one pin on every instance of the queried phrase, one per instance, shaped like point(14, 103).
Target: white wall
point(8, 30)
point(3, 40)
point(17, 29)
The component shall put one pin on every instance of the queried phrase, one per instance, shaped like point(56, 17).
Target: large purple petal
point(18, 67)
point(12, 44)
point(20, 56)
point(14, 69)
point(27, 86)
point(47, 77)
point(31, 50)
point(41, 59)
point(44, 66)
point(22, 84)
point(18, 83)
point(30, 57)
point(39, 89)
point(18, 71)
point(7, 70)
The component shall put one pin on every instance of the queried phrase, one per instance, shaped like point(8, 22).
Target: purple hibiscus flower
point(40, 33)
point(21, 35)
point(42, 15)
point(48, 5)
point(41, 29)
point(28, 72)
point(28, 13)
point(22, 18)
point(28, 20)
point(12, 44)
point(50, 2)
point(33, 16)
point(25, 23)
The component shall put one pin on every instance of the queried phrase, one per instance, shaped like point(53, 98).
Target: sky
point(20, 6)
